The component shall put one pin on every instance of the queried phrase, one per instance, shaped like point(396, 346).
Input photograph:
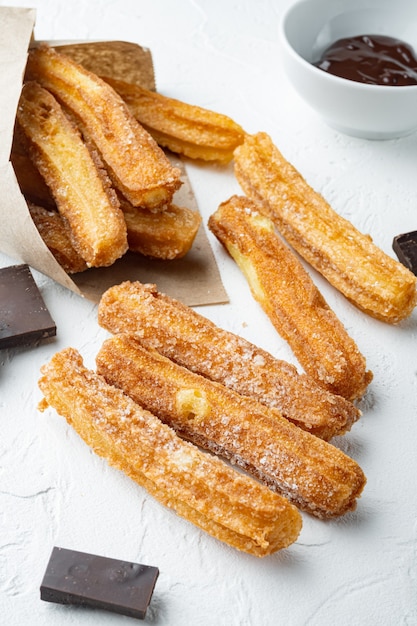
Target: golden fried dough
point(80, 190)
point(376, 283)
point(313, 474)
point(57, 238)
point(164, 235)
point(192, 340)
point(289, 297)
point(136, 164)
point(204, 490)
point(183, 128)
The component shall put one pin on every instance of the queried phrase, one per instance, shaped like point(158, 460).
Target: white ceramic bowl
point(361, 110)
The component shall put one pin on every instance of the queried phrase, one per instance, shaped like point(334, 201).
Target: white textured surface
point(53, 491)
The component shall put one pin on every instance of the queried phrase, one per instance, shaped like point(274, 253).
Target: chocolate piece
point(24, 318)
point(88, 580)
point(405, 247)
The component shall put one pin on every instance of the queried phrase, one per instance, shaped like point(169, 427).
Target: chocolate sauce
point(371, 59)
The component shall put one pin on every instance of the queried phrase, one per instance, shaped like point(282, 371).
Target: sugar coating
point(347, 258)
point(198, 486)
point(310, 472)
point(286, 292)
point(193, 341)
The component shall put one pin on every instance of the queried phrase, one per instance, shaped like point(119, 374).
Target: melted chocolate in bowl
point(371, 59)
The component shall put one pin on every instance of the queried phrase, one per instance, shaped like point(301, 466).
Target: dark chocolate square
point(405, 247)
point(24, 318)
point(99, 582)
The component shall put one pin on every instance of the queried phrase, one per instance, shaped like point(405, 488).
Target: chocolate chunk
point(405, 247)
point(88, 580)
point(24, 318)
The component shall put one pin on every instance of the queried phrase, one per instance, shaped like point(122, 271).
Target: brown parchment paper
point(195, 279)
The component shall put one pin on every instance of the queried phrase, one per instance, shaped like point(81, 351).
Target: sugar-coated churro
point(57, 238)
point(230, 506)
point(310, 472)
point(192, 340)
point(166, 235)
point(80, 189)
point(136, 164)
point(289, 297)
point(376, 283)
point(184, 128)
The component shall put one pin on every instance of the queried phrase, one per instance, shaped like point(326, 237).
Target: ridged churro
point(164, 235)
point(311, 473)
point(81, 191)
point(192, 340)
point(57, 238)
point(184, 128)
point(136, 164)
point(376, 283)
point(201, 488)
point(289, 297)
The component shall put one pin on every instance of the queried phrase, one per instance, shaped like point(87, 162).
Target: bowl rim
point(338, 80)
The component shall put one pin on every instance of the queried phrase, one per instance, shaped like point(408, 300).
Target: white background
point(54, 491)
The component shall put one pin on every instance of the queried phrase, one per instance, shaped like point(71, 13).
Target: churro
point(80, 189)
point(192, 340)
point(230, 506)
point(374, 282)
point(311, 473)
point(164, 235)
point(136, 164)
point(187, 129)
point(57, 238)
point(289, 297)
